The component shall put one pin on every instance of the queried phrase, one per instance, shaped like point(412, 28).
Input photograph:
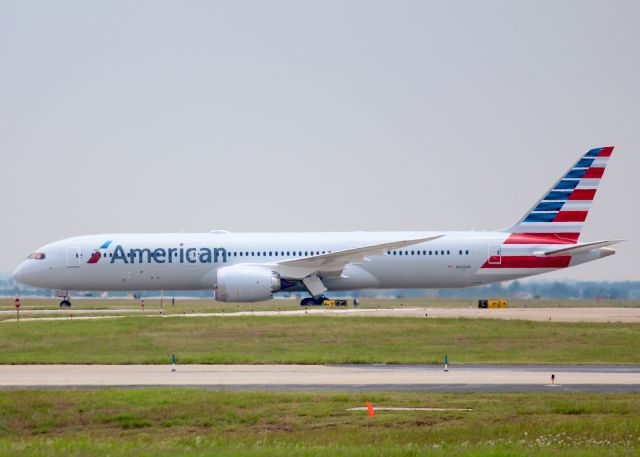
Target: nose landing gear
point(66, 302)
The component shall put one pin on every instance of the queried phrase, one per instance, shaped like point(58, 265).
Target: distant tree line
point(619, 290)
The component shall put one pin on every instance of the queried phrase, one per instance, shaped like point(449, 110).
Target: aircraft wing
point(336, 261)
point(576, 249)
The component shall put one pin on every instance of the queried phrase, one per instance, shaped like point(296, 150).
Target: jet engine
point(246, 283)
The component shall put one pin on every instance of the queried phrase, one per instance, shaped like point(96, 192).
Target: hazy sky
point(286, 116)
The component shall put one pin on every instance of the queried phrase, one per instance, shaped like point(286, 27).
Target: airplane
point(251, 267)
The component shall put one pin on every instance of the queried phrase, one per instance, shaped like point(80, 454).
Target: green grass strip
point(317, 340)
point(194, 422)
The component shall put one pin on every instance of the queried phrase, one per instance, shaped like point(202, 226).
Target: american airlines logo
point(161, 255)
point(97, 255)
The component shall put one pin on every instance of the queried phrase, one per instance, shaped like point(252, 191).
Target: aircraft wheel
point(308, 301)
point(66, 303)
point(319, 300)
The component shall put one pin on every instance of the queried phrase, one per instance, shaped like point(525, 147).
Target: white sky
point(327, 115)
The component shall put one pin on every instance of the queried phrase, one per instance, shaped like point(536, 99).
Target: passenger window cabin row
point(311, 253)
point(252, 253)
point(432, 252)
point(275, 253)
point(306, 253)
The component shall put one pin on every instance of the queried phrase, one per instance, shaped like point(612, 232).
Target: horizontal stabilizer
point(573, 250)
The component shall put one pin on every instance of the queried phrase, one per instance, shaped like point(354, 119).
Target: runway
point(491, 378)
point(601, 314)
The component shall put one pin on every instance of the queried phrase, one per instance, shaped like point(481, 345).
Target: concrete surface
point(323, 377)
point(630, 315)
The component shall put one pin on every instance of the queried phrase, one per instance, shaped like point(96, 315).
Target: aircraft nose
point(20, 273)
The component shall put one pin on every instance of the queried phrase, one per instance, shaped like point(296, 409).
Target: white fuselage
point(189, 261)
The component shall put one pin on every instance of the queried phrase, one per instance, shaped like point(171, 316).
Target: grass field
point(164, 422)
point(195, 422)
point(316, 340)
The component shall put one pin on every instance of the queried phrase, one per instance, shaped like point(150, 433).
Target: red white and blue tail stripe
point(558, 217)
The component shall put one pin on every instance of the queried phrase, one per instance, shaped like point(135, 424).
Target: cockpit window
point(37, 256)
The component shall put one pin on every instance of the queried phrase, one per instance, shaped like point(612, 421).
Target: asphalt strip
point(490, 378)
point(534, 314)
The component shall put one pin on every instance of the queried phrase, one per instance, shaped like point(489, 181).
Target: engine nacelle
point(245, 283)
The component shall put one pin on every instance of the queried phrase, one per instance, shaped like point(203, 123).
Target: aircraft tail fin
point(558, 217)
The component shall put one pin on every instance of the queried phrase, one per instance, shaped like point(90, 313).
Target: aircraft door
point(495, 254)
point(73, 257)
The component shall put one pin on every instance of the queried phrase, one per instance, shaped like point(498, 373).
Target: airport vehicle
point(247, 267)
point(331, 303)
point(493, 303)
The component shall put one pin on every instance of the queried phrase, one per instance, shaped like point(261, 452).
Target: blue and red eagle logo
point(96, 254)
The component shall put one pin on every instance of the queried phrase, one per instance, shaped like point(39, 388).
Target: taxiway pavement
point(328, 377)
point(603, 315)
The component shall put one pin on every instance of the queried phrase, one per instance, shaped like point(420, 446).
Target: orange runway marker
point(370, 409)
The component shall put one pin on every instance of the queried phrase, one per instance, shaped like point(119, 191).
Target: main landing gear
point(313, 301)
point(66, 302)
